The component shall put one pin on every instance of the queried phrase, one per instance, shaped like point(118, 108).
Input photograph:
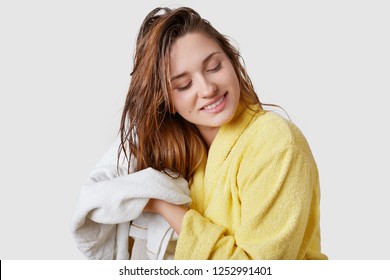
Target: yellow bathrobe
point(256, 197)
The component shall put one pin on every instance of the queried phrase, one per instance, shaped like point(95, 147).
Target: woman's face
point(205, 87)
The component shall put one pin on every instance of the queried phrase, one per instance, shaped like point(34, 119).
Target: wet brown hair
point(150, 131)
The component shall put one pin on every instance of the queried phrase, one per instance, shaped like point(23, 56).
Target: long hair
point(150, 131)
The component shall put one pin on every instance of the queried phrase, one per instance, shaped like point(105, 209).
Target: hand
point(174, 214)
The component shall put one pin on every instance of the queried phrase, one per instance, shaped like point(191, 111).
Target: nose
point(207, 88)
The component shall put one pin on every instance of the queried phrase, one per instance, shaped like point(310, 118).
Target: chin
point(225, 119)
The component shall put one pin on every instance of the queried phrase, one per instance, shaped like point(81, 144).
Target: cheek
point(181, 103)
point(235, 84)
point(184, 106)
point(233, 77)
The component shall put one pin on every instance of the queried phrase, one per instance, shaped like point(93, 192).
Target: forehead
point(190, 50)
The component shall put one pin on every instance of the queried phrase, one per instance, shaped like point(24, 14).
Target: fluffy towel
point(108, 202)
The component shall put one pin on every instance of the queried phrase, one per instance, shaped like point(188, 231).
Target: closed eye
point(216, 68)
point(185, 87)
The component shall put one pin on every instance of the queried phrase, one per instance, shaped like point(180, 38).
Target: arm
point(276, 201)
point(172, 213)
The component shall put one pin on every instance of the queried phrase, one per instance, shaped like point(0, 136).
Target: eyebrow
point(203, 63)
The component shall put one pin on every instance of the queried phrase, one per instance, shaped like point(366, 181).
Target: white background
point(64, 74)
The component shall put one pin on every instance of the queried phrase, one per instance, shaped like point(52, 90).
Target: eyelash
point(215, 69)
point(185, 87)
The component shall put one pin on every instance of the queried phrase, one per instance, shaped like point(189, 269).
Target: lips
point(214, 103)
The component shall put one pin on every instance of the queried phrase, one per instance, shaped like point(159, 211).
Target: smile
point(215, 104)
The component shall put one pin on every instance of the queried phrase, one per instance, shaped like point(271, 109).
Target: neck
point(208, 134)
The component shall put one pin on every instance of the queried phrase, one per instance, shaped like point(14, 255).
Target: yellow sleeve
point(276, 190)
point(277, 217)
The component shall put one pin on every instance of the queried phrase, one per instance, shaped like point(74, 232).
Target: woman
point(192, 110)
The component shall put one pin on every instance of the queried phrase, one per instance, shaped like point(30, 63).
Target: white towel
point(108, 202)
point(152, 234)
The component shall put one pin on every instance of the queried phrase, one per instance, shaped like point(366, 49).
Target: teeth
point(212, 106)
